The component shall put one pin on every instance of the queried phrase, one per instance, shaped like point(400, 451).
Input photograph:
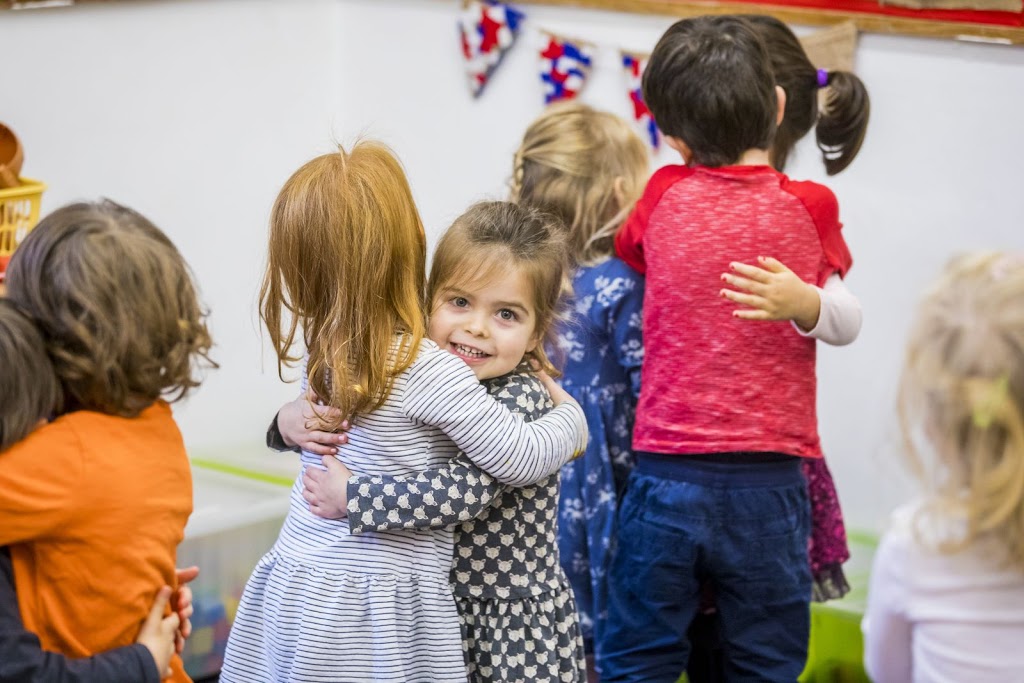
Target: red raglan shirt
point(713, 383)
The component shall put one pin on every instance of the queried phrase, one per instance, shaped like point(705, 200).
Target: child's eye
point(460, 301)
point(507, 314)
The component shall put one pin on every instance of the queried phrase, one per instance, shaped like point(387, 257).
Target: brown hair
point(962, 394)
point(840, 127)
point(569, 163)
point(346, 261)
point(31, 391)
point(491, 237)
point(116, 304)
point(709, 83)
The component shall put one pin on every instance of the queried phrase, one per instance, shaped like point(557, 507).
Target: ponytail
point(840, 127)
point(843, 122)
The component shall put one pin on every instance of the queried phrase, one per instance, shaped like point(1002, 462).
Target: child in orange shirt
point(122, 325)
point(32, 397)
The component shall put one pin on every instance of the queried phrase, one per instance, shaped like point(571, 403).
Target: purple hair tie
point(822, 78)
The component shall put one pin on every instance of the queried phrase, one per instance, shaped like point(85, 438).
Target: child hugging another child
point(334, 603)
point(839, 128)
point(727, 408)
point(32, 396)
point(946, 600)
point(94, 503)
point(495, 287)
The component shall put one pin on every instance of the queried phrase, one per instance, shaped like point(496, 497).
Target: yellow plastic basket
point(19, 213)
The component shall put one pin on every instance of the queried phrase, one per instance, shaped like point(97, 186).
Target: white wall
point(195, 112)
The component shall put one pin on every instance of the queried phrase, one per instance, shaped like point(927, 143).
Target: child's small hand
point(772, 292)
point(558, 397)
point(181, 602)
point(158, 633)
point(327, 492)
point(298, 421)
point(558, 394)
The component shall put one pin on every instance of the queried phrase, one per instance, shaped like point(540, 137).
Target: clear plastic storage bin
point(235, 520)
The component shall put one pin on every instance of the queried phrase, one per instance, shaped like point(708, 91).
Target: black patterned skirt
point(523, 640)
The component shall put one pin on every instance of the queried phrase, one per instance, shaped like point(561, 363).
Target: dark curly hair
point(116, 305)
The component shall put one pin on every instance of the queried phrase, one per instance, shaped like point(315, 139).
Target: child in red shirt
point(727, 408)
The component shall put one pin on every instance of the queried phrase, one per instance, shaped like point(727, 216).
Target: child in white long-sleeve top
point(946, 601)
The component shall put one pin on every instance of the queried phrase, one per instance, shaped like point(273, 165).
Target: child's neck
point(754, 157)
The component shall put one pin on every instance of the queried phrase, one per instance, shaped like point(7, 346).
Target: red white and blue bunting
point(488, 29)
point(564, 67)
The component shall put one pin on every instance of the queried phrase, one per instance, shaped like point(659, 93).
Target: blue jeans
point(743, 527)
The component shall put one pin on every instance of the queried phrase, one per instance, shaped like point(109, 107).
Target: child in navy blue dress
point(589, 167)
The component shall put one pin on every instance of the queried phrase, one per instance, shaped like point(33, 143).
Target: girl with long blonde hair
point(345, 280)
point(946, 601)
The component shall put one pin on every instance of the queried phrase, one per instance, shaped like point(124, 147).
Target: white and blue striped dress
point(326, 606)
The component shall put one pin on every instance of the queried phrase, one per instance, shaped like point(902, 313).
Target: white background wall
point(195, 113)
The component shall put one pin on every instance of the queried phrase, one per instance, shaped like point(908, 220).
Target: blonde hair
point(568, 164)
point(346, 262)
point(488, 239)
point(962, 393)
point(116, 304)
point(31, 390)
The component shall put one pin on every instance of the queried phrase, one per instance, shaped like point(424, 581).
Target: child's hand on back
point(159, 633)
point(181, 603)
point(327, 492)
point(772, 292)
point(298, 421)
point(558, 397)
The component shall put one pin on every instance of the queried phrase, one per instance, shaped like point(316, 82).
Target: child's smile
point(488, 324)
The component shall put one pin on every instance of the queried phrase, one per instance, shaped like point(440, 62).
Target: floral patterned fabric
point(602, 346)
point(828, 548)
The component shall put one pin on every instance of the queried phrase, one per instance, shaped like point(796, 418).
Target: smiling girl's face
point(490, 324)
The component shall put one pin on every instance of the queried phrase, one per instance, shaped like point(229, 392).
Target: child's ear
point(780, 95)
point(533, 344)
point(681, 147)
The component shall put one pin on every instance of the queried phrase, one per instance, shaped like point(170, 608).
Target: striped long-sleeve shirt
point(326, 605)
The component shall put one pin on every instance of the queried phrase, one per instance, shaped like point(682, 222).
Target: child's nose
point(476, 326)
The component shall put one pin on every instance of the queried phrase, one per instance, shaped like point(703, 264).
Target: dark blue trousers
point(743, 526)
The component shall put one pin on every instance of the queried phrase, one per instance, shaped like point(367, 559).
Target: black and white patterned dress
point(519, 619)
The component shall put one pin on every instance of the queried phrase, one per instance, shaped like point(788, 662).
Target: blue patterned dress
point(603, 349)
